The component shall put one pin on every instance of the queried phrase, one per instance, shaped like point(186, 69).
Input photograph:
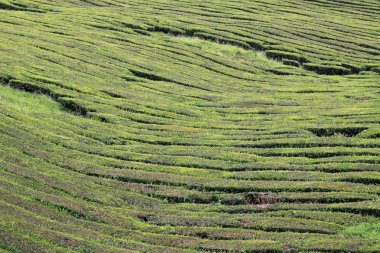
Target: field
point(189, 126)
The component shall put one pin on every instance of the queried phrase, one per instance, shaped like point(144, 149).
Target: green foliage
point(189, 126)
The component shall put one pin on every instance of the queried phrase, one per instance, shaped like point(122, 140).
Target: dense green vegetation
point(189, 126)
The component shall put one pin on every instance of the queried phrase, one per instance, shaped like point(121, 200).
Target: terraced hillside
point(189, 126)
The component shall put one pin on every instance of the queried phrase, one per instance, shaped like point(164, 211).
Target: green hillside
point(189, 126)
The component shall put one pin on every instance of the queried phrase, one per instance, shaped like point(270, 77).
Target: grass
point(36, 105)
point(233, 53)
point(367, 231)
point(189, 126)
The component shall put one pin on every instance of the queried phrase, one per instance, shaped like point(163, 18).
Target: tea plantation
point(189, 126)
